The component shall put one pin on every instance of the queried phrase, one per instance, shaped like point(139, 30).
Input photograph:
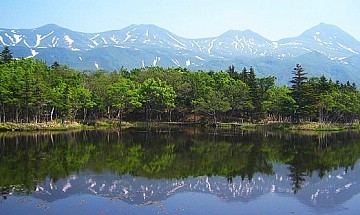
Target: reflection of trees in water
point(320, 154)
point(170, 153)
point(297, 179)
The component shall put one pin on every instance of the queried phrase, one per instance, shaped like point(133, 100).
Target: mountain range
point(322, 50)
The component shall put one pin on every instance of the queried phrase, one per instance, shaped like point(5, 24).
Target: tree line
point(31, 91)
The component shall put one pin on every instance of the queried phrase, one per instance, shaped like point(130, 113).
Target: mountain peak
point(323, 28)
point(246, 33)
point(50, 26)
point(146, 26)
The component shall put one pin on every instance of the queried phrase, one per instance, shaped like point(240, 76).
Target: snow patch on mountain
point(202, 59)
point(94, 37)
point(114, 39)
point(39, 38)
point(188, 63)
point(95, 43)
point(176, 62)
point(211, 45)
point(34, 53)
point(10, 38)
point(54, 41)
point(347, 48)
point(291, 44)
point(2, 41)
point(182, 44)
point(128, 36)
point(68, 40)
point(17, 38)
point(26, 44)
point(156, 60)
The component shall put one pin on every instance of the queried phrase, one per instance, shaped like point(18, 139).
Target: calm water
point(179, 171)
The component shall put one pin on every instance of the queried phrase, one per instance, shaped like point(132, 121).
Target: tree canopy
point(31, 91)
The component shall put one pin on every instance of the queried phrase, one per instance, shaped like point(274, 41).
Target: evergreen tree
point(255, 97)
point(6, 55)
point(244, 75)
point(233, 73)
point(297, 88)
point(55, 65)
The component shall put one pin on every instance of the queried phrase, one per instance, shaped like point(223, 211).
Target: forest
point(32, 91)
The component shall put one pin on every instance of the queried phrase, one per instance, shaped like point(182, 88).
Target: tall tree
point(157, 96)
point(233, 73)
point(124, 95)
point(6, 55)
point(297, 91)
point(254, 93)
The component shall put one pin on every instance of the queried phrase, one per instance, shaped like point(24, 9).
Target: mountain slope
point(322, 49)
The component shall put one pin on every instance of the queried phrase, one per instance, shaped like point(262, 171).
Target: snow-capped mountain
point(149, 45)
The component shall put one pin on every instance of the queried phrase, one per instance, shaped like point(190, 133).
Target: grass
point(52, 126)
point(310, 126)
point(112, 124)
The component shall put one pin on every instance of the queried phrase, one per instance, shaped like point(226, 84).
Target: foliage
point(30, 91)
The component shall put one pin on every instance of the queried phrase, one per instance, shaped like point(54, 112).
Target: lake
point(179, 170)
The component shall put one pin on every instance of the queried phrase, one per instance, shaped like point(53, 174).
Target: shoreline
point(108, 124)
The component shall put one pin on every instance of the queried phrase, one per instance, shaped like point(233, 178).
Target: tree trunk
point(51, 114)
point(3, 114)
point(214, 116)
point(119, 116)
point(108, 112)
point(17, 115)
point(170, 111)
point(85, 114)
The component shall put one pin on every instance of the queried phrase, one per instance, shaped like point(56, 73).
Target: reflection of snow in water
point(137, 190)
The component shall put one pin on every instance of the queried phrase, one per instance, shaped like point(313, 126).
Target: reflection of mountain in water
point(334, 189)
point(141, 167)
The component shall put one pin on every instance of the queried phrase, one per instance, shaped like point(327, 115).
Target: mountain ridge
point(149, 45)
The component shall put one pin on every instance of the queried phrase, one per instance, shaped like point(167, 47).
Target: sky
point(273, 19)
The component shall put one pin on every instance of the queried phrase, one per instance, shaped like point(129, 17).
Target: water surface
point(179, 171)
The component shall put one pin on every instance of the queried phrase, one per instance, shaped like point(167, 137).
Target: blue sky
point(273, 19)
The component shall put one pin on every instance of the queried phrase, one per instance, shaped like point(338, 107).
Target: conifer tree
point(244, 75)
point(254, 94)
point(6, 55)
point(297, 89)
point(233, 73)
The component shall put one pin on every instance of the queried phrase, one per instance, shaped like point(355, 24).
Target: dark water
point(180, 171)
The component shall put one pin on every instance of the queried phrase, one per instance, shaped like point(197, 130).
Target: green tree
point(233, 73)
point(157, 96)
point(297, 91)
point(256, 112)
point(6, 55)
point(279, 105)
point(124, 95)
